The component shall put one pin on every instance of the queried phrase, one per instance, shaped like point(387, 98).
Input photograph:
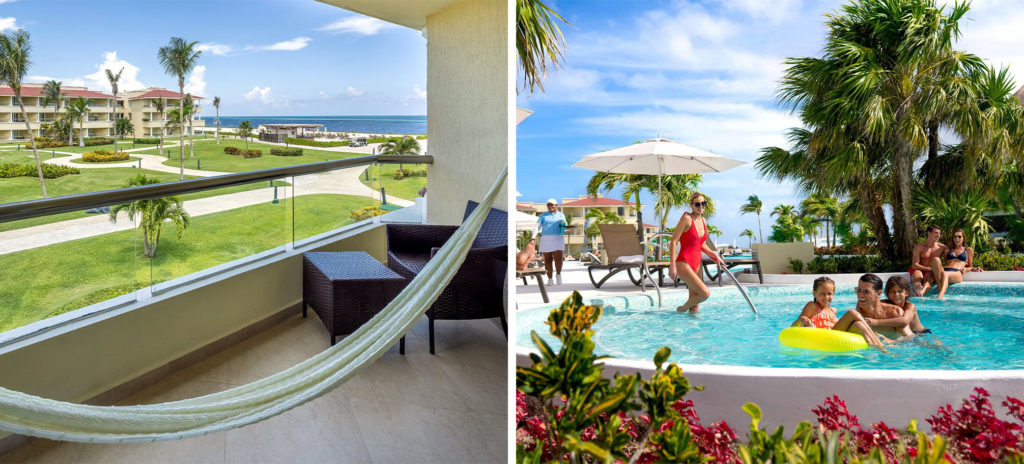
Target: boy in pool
point(820, 314)
point(898, 313)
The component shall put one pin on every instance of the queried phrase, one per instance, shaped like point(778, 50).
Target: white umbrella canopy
point(657, 157)
point(524, 221)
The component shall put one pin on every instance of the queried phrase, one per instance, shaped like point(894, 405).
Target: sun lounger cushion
point(633, 259)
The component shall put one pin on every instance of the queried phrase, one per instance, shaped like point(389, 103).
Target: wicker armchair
point(476, 290)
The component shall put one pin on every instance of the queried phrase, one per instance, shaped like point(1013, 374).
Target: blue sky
point(261, 57)
point(703, 73)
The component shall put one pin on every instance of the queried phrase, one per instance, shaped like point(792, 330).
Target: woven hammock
point(57, 420)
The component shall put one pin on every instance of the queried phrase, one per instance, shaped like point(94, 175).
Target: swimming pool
point(980, 326)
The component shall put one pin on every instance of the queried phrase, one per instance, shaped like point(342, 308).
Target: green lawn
point(42, 282)
point(407, 188)
point(213, 158)
point(91, 180)
point(22, 156)
point(131, 159)
point(121, 145)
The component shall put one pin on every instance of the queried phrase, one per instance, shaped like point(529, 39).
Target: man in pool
point(869, 302)
point(926, 263)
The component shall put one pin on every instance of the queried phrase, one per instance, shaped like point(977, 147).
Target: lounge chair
point(621, 246)
point(476, 290)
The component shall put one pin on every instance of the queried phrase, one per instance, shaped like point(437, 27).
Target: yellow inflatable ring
point(811, 338)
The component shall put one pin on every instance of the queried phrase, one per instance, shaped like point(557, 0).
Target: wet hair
point(876, 283)
point(931, 227)
point(822, 281)
point(897, 282)
point(694, 196)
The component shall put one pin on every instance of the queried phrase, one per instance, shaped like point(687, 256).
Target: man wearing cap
point(551, 226)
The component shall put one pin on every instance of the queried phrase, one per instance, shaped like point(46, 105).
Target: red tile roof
point(34, 91)
point(524, 207)
point(158, 93)
point(602, 201)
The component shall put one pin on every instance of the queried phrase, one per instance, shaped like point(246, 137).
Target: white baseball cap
point(552, 201)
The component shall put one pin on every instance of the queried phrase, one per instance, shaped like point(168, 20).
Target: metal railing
point(47, 206)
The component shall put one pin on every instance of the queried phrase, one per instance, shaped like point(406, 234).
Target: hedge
point(382, 139)
point(311, 143)
point(252, 153)
point(403, 173)
point(421, 137)
point(101, 156)
point(848, 264)
point(286, 151)
point(46, 142)
point(233, 150)
point(147, 140)
point(91, 141)
point(366, 212)
point(50, 171)
point(995, 261)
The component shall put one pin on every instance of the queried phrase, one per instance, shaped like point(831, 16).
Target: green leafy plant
point(152, 214)
point(103, 156)
point(251, 153)
point(50, 171)
point(147, 141)
point(313, 143)
point(366, 212)
point(796, 265)
point(286, 151)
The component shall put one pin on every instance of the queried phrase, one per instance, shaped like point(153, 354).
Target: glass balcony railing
point(68, 257)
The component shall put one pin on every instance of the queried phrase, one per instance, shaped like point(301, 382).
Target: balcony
point(242, 314)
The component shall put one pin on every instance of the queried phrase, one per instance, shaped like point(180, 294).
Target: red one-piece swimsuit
point(691, 245)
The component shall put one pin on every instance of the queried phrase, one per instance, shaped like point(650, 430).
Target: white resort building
point(136, 105)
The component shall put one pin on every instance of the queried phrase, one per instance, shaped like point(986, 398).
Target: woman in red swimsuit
point(691, 234)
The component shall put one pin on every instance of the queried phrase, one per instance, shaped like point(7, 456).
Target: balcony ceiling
point(401, 12)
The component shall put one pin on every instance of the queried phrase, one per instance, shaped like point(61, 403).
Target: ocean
point(366, 124)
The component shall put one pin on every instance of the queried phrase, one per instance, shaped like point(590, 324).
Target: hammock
point(57, 420)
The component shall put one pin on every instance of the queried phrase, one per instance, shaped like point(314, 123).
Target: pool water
point(980, 327)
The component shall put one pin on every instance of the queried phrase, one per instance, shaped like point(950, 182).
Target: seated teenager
point(926, 264)
point(959, 258)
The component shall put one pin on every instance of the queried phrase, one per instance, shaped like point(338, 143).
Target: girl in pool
point(819, 312)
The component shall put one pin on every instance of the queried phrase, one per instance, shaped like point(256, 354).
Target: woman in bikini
point(690, 239)
point(959, 258)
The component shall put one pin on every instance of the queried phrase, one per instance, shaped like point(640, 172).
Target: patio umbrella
point(524, 221)
point(656, 157)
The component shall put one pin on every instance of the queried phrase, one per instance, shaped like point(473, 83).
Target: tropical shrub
point(286, 151)
point(93, 141)
point(994, 261)
point(103, 156)
point(856, 264)
point(50, 171)
point(233, 150)
point(252, 153)
point(382, 139)
point(366, 212)
point(313, 143)
point(421, 137)
point(976, 434)
point(147, 140)
point(796, 265)
point(47, 142)
point(152, 214)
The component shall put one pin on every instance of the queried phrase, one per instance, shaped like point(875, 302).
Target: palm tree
point(187, 111)
point(52, 94)
point(152, 214)
point(600, 217)
point(113, 78)
point(965, 212)
point(823, 208)
point(178, 58)
point(714, 230)
point(400, 146)
point(748, 233)
point(784, 210)
point(159, 104)
point(123, 127)
point(216, 105)
point(79, 107)
point(888, 77)
point(538, 40)
point(14, 62)
point(754, 205)
point(244, 131)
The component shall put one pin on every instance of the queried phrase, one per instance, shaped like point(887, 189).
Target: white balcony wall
point(467, 105)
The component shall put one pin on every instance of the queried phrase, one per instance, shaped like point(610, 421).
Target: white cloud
point(214, 48)
point(69, 81)
point(8, 23)
point(775, 11)
point(263, 95)
point(354, 92)
point(361, 25)
point(196, 84)
point(129, 77)
point(297, 43)
point(7, 1)
point(420, 93)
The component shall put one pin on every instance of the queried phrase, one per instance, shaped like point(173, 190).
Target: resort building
point(576, 210)
point(141, 107)
point(100, 121)
point(136, 105)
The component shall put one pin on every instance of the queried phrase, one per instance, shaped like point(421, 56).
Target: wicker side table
point(347, 288)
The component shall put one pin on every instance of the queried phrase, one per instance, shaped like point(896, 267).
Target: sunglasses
point(700, 204)
point(863, 290)
point(958, 236)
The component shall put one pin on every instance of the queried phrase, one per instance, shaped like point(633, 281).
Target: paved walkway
point(341, 181)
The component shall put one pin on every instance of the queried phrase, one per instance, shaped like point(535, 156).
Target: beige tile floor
point(446, 408)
